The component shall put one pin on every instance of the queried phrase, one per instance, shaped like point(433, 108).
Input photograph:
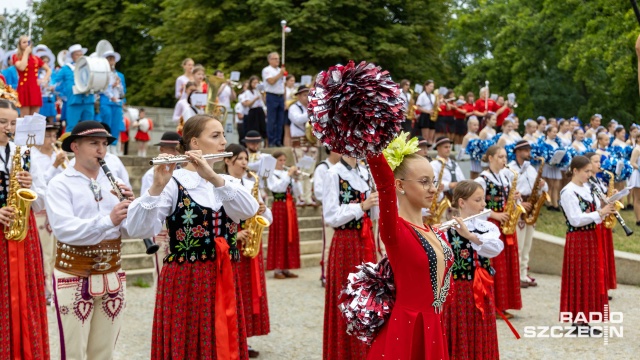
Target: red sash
point(227, 344)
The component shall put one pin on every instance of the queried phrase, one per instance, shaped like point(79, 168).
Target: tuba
point(536, 200)
point(213, 108)
point(438, 208)
point(512, 208)
point(20, 200)
point(254, 225)
point(610, 221)
point(411, 107)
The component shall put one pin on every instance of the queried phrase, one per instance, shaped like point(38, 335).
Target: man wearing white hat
point(112, 99)
point(79, 106)
point(48, 107)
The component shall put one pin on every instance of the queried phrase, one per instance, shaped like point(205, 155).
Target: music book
point(234, 76)
point(620, 194)
point(306, 80)
point(557, 157)
point(418, 89)
point(619, 167)
point(267, 165)
point(199, 99)
point(30, 130)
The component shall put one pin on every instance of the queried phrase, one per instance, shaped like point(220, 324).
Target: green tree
point(15, 24)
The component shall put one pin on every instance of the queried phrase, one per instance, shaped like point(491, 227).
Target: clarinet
point(603, 198)
point(151, 246)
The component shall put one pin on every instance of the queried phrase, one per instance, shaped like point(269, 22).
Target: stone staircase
point(139, 265)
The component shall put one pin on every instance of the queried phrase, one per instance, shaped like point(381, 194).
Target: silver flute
point(453, 223)
point(176, 159)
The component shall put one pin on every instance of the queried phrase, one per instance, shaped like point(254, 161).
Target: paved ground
point(297, 305)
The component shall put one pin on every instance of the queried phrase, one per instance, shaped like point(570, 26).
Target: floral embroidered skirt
point(347, 251)
point(184, 319)
point(469, 336)
point(32, 328)
point(254, 295)
point(507, 277)
point(284, 239)
point(582, 289)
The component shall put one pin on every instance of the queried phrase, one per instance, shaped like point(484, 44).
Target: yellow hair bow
point(399, 148)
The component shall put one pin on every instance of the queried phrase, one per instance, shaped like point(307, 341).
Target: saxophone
point(436, 106)
point(20, 200)
point(254, 225)
point(438, 208)
point(512, 208)
point(610, 220)
point(537, 200)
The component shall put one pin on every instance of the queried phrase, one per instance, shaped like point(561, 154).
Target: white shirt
point(491, 245)
point(241, 98)
point(115, 165)
point(299, 118)
point(571, 205)
point(335, 213)
point(565, 139)
point(407, 97)
point(499, 179)
point(446, 174)
point(426, 101)
point(530, 138)
point(278, 87)
point(75, 216)
point(224, 98)
point(147, 181)
point(515, 135)
point(578, 146)
point(239, 109)
point(185, 110)
point(147, 213)
point(181, 81)
point(553, 143)
point(280, 180)
point(250, 95)
point(44, 164)
point(319, 176)
point(526, 177)
point(248, 185)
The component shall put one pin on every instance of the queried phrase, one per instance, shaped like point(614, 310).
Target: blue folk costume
point(11, 75)
point(110, 111)
point(79, 107)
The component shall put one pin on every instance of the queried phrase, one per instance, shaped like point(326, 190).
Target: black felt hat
point(87, 128)
point(169, 138)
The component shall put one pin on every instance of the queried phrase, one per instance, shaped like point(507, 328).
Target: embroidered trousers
point(525, 240)
point(89, 314)
point(48, 245)
point(162, 240)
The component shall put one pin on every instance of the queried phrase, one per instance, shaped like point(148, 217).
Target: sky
point(11, 5)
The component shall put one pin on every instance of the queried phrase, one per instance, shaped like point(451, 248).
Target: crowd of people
point(452, 281)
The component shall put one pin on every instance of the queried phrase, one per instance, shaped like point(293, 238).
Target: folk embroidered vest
point(192, 230)
point(349, 195)
point(495, 195)
point(464, 265)
point(586, 206)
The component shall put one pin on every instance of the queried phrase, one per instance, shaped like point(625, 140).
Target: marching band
point(211, 291)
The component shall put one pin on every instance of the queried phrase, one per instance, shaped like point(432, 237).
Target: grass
point(140, 282)
point(554, 223)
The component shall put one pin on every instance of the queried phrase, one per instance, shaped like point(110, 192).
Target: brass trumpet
point(58, 149)
point(298, 172)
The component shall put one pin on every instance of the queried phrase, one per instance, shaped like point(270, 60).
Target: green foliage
point(561, 58)
point(15, 24)
point(404, 36)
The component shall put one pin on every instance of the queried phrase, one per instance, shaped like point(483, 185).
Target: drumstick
point(634, 3)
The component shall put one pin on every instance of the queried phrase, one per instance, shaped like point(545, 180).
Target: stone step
point(137, 275)
point(307, 222)
point(306, 247)
point(137, 261)
point(308, 211)
point(133, 246)
point(305, 234)
point(310, 260)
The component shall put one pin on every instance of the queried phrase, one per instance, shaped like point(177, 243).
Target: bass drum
point(91, 75)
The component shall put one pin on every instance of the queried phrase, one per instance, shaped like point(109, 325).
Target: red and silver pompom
point(355, 110)
point(367, 299)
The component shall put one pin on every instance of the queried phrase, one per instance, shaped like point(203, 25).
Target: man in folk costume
point(112, 99)
point(301, 146)
point(46, 163)
point(319, 176)
point(452, 173)
point(23, 329)
point(168, 145)
point(253, 142)
point(526, 181)
point(89, 221)
point(79, 107)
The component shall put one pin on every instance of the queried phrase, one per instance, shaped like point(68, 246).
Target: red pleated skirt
point(469, 336)
point(254, 295)
point(582, 289)
point(347, 251)
point(284, 239)
point(507, 277)
point(184, 318)
point(608, 257)
point(33, 332)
